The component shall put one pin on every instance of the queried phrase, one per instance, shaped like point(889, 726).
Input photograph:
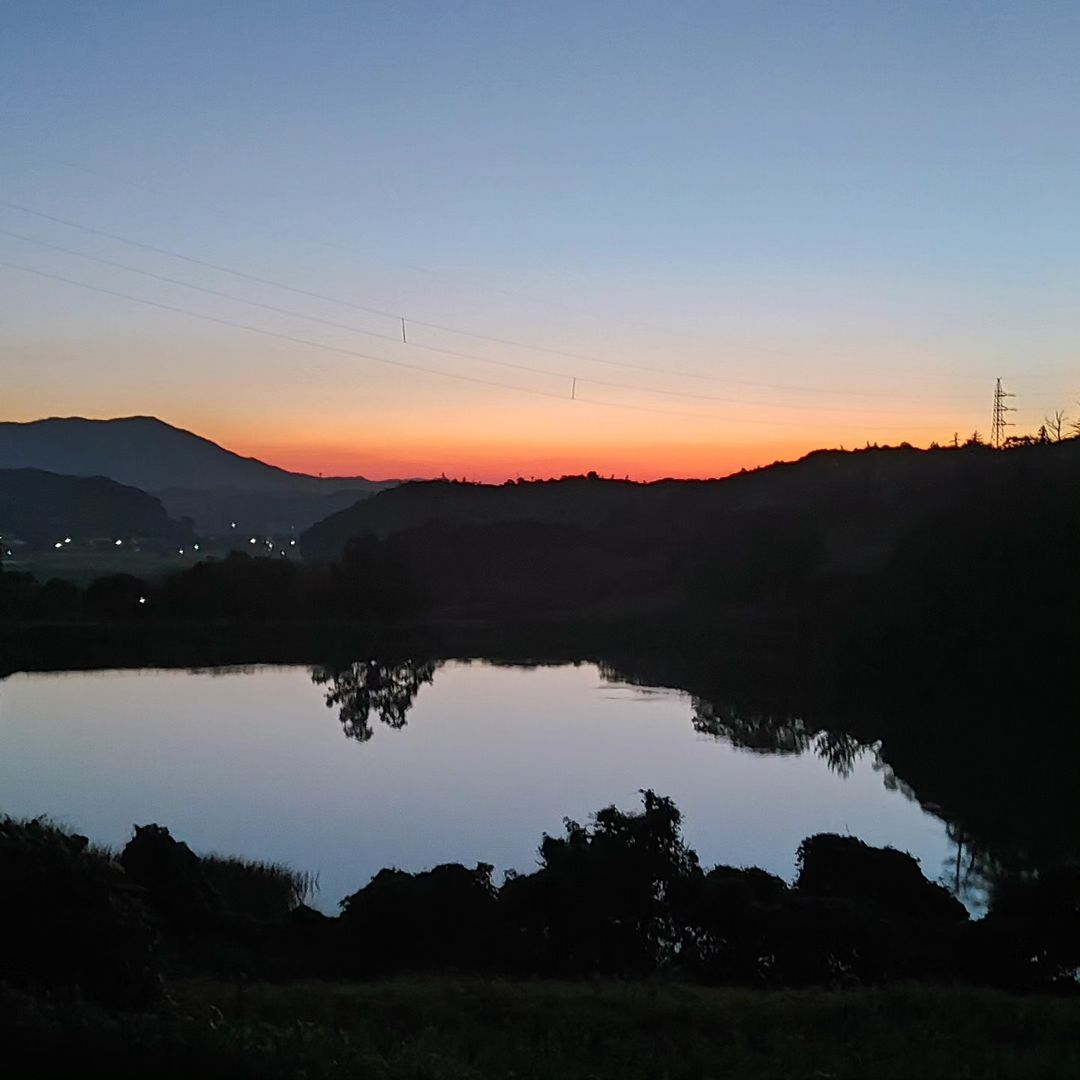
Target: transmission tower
point(997, 431)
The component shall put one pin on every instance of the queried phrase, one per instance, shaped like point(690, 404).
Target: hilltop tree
point(1055, 425)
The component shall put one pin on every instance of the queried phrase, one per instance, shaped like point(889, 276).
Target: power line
point(769, 423)
point(275, 333)
point(276, 309)
point(280, 310)
point(381, 312)
point(220, 268)
point(278, 226)
point(456, 278)
point(414, 367)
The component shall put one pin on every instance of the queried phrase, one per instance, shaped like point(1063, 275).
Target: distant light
point(252, 540)
point(196, 546)
point(8, 552)
point(232, 524)
point(292, 543)
point(282, 553)
point(142, 599)
point(67, 539)
point(180, 551)
point(119, 542)
point(57, 544)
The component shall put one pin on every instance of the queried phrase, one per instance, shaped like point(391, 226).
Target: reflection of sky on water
point(253, 763)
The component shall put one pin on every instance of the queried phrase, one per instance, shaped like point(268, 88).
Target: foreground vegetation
point(619, 957)
point(623, 896)
point(159, 962)
point(445, 1028)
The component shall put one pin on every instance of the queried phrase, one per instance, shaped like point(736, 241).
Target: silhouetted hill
point(574, 500)
point(192, 476)
point(790, 536)
point(41, 507)
point(856, 501)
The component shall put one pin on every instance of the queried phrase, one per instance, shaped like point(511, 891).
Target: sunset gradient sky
point(744, 229)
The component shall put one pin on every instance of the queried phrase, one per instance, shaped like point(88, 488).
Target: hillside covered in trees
point(770, 536)
point(42, 509)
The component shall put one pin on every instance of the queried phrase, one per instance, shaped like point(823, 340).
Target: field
point(83, 565)
point(457, 1028)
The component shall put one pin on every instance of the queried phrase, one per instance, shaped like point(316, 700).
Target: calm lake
point(254, 762)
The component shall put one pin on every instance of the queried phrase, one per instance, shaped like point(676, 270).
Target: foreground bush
point(441, 918)
point(190, 891)
point(621, 896)
point(69, 916)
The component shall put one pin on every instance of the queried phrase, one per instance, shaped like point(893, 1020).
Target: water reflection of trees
point(977, 778)
point(386, 688)
point(970, 872)
point(765, 733)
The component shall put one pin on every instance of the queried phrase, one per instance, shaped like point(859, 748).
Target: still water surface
point(252, 762)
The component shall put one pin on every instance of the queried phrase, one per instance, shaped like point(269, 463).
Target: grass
point(449, 1028)
point(259, 890)
point(81, 566)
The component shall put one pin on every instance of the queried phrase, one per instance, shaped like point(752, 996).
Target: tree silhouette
point(606, 896)
point(388, 689)
point(1056, 424)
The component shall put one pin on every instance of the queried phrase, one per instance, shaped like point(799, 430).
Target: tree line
point(620, 896)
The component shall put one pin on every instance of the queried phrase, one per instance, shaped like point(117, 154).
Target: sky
point(647, 239)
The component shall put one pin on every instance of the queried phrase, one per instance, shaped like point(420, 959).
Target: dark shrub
point(1030, 939)
point(20, 595)
point(114, 597)
point(176, 883)
point(842, 866)
point(435, 919)
point(604, 899)
point(60, 599)
point(727, 912)
point(750, 928)
point(70, 917)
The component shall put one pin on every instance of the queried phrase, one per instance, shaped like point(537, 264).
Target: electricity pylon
point(997, 430)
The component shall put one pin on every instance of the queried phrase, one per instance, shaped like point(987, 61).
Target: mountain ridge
point(256, 473)
point(192, 475)
point(852, 493)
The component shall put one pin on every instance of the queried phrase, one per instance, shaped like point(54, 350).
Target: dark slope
point(41, 507)
point(148, 453)
point(857, 501)
point(261, 512)
point(573, 501)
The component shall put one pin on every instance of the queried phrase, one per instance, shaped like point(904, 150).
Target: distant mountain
point(147, 453)
point(42, 508)
point(191, 475)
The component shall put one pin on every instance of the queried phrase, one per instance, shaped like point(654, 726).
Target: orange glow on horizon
point(496, 463)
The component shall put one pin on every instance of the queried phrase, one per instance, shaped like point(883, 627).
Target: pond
point(473, 763)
